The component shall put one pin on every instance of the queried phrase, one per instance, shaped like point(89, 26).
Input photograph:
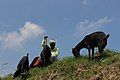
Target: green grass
point(81, 69)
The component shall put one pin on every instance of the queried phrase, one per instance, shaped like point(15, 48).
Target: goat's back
point(23, 63)
point(95, 39)
point(100, 35)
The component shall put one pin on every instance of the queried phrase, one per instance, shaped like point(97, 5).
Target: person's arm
point(44, 42)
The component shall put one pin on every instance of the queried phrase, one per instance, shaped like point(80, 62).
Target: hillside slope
point(80, 69)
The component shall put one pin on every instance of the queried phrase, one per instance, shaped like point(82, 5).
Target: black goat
point(22, 67)
point(45, 56)
point(96, 39)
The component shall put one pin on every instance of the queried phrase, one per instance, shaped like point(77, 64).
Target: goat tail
point(107, 36)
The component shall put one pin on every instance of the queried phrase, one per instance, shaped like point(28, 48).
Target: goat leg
point(101, 52)
point(89, 53)
point(88, 50)
point(92, 52)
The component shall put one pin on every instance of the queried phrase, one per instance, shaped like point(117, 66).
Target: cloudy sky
point(23, 23)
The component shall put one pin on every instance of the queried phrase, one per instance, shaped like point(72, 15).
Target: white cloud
point(65, 19)
point(84, 2)
point(13, 40)
point(85, 27)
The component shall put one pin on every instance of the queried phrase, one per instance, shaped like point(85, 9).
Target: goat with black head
point(96, 39)
point(22, 67)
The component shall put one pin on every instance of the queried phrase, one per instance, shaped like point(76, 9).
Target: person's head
point(52, 44)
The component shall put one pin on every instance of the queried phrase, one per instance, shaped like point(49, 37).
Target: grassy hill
point(80, 69)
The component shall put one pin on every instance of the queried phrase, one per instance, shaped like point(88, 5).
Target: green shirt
point(55, 52)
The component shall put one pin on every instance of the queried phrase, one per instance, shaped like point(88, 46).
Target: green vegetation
point(81, 69)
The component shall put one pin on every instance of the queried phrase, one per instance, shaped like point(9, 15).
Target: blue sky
point(23, 23)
